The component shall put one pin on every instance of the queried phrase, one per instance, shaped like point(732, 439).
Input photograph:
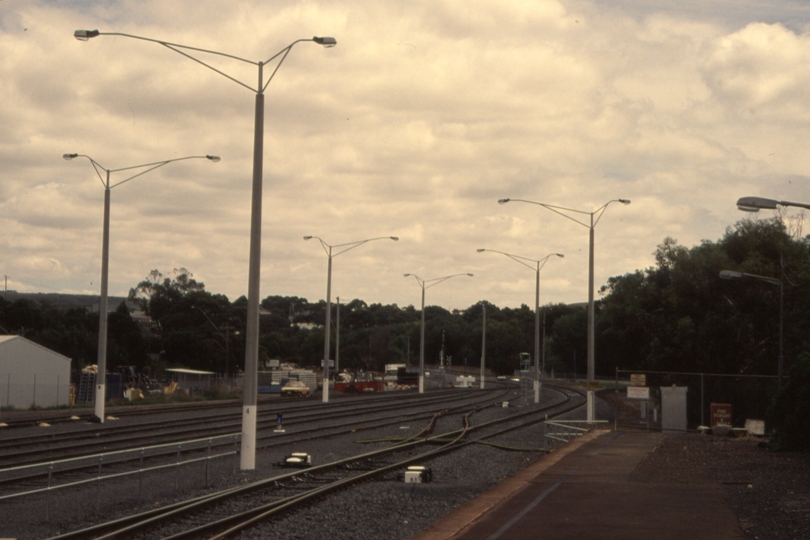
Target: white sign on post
point(638, 392)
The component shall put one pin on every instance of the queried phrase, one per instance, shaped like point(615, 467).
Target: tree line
point(677, 315)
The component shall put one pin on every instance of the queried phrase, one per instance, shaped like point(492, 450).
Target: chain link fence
point(750, 397)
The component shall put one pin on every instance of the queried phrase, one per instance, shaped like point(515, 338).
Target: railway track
point(61, 457)
point(28, 449)
point(225, 512)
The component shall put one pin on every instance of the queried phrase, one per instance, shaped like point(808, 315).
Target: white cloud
point(417, 122)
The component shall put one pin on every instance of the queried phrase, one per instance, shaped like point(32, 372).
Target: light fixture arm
point(348, 245)
point(562, 209)
point(435, 281)
point(84, 35)
point(151, 167)
point(755, 204)
point(538, 264)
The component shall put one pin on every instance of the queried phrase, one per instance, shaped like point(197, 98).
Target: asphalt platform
point(584, 490)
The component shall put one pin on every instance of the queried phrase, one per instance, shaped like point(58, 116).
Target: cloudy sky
point(424, 115)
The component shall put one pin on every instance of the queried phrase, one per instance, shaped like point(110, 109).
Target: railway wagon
point(406, 376)
point(359, 386)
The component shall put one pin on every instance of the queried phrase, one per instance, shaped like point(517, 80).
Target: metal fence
point(750, 397)
point(134, 456)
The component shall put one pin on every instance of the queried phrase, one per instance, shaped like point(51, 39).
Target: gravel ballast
point(770, 492)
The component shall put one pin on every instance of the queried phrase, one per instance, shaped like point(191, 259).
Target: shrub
point(790, 414)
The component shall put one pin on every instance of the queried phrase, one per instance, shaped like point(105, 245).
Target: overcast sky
point(415, 124)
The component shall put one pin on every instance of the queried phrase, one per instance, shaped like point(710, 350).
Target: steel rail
point(169, 448)
point(126, 432)
point(132, 524)
point(255, 515)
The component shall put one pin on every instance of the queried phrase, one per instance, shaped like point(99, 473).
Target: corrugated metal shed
point(31, 374)
point(192, 379)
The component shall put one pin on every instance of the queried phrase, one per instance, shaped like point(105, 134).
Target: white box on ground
point(413, 477)
point(755, 427)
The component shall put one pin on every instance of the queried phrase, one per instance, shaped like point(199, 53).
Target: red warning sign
point(721, 414)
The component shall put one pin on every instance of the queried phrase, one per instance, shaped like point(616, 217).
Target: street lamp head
point(327, 42)
point(503, 201)
point(308, 238)
point(215, 159)
point(470, 275)
point(755, 204)
point(69, 156)
point(624, 201)
point(480, 250)
point(84, 35)
point(730, 274)
point(560, 255)
point(394, 238)
point(405, 275)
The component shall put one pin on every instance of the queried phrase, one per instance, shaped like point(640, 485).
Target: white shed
point(31, 374)
point(192, 379)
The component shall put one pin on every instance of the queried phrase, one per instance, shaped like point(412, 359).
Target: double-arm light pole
point(326, 338)
point(250, 390)
point(101, 363)
point(755, 204)
point(423, 283)
point(538, 265)
point(594, 218)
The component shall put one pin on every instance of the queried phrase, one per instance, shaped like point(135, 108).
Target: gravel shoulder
point(769, 491)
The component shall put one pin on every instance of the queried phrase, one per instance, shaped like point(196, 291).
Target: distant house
point(31, 374)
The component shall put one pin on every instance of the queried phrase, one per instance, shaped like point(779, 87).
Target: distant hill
point(68, 301)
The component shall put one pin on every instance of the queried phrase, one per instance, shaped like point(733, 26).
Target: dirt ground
point(769, 491)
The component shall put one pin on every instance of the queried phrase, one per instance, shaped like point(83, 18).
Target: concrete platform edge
point(456, 522)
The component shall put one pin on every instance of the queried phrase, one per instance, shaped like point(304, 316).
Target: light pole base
point(590, 406)
point(101, 395)
point(247, 460)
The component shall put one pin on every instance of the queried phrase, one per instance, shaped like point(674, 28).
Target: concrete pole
point(537, 335)
point(483, 345)
point(250, 390)
point(422, 346)
point(337, 335)
point(327, 328)
point(101, 373)
point(591, 328)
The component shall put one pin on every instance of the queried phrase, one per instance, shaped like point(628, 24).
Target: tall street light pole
point(755, 204)
point(250, 390)
point(326, 338)
point(423, 283)
point(483, 344)
point(538, 265)
point(730, 274)
point(337, 335)
point(594, 216)
point(101, 374)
